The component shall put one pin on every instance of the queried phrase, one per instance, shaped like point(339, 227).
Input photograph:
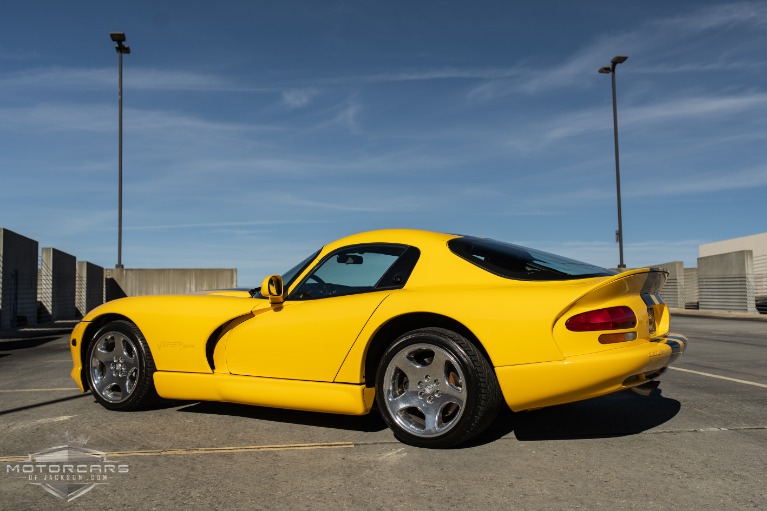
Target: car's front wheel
point(120, 367)
point(434, 388)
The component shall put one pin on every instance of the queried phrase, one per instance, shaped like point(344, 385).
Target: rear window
point(521, 263)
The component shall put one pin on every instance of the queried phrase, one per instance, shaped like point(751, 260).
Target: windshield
point(521, 263)
point(289, 276)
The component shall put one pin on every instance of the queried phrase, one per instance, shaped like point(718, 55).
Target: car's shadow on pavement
point(370, 423)
point(621, 414)
point(23, 344)
point(615, 415)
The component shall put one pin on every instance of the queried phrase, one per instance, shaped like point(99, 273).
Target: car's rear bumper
point(581, 377)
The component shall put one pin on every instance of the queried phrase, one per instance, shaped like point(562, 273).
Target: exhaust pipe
point(646, 389)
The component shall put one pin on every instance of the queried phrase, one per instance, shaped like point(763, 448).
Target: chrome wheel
point(424, 390)
point(120, 368)
point(114, 366)
point(435, 388)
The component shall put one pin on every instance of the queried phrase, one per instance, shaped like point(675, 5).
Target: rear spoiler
point(647, 282)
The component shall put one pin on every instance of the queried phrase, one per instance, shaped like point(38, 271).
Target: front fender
point(177, 328)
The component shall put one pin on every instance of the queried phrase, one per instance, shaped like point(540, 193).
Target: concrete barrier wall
point(673, 291)
point(726, 282)
point(90, 287)
point(691, 298)
point(760, 276)
point(757, 243)
point(57, 283)
point(18, 280)
point(137, 281)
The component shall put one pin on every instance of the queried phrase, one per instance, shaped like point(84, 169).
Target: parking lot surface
point(699, 443)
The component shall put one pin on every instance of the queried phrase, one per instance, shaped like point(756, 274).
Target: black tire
point(120, 367)
point(435, 389)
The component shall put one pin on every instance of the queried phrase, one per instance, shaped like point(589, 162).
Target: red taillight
point(611, 318)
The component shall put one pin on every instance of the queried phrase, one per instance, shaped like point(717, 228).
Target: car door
point(309, 335)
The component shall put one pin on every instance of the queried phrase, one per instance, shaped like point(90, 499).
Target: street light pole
point(619, 59)
point(119, 38)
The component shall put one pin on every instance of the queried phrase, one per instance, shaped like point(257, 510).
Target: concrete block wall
point(89, 292)
point(726, 282)
point(136, 281)
point(57, 283)
point(756, 243)
point(691, 297)
point(18, 280)
point(673, 292)
point(760, 276)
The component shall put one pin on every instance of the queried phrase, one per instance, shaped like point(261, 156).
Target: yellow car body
point(323, 353)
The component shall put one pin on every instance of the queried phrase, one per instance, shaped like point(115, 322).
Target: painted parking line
point(7, 391)
point(212, 450)
point(745, 382)
point(237, 449)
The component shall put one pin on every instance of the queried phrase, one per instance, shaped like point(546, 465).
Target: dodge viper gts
point(437, 330)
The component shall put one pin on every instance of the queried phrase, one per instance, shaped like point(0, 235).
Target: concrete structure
point(135, 282)
point(726, 282)
point(757, 243)
point(89, 292)
point(18, 280)
point(56, 284)
point(691, 298)
point(673, 292)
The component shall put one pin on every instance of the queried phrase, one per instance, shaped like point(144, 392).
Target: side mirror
point(272, 288)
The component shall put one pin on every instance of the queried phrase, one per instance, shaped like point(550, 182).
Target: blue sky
point(255, 132)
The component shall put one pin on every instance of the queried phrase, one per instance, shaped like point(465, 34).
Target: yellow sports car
point(437, 329)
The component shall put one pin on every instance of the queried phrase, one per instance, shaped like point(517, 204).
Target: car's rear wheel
point(434, 388)
point(120, 367)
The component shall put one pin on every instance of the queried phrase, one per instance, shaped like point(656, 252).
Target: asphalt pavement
point(698, 443)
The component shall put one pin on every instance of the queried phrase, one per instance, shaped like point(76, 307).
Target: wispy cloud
point(655, 36)
point(95, 117)
point(679, 111)
point(343, 115)
point(216, 225)
point(137, 79)
point(59, 118)
point(298, 98)
point(696, 107)
point(719, 16)
point(418, 75)
point(704, 181)
point(355, 201)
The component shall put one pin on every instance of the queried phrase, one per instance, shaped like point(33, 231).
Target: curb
point(717, 314)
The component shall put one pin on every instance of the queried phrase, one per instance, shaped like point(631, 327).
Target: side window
point(358, 269)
